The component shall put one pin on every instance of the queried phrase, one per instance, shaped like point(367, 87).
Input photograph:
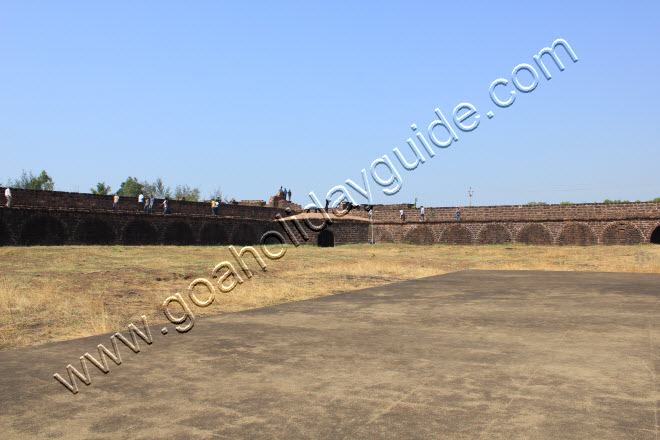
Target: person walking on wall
point(115, 205)
point(214, 207)
point(8, 197)
point(371, 214)
point(164, 204)
point(289, 194)
point(458, 214)
point(421, 214)
point(140, 202)
point(402, 215)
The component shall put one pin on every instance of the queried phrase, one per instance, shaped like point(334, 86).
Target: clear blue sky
point(250, 96)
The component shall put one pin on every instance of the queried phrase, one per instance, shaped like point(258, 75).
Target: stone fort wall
point(59, 199)
point(577, 211)
point(544, 232)
point(46, 217)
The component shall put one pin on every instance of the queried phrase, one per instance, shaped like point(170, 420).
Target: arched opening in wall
point(94, 231)
point(213, 233)
point(578, 234)
point(179, 233)
point(456, 234)
point(493, 234)
point(43, 229)
point(139, 232)
point(420, 235)
point(534, 233)
point(326, 239)
point(245, 235)
point(622, 233)
point(655, 235)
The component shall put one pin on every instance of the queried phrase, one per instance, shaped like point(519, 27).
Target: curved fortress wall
point(51, 218)
point(575, 224)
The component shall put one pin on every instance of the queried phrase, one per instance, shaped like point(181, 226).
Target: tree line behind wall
point(131, 187)
point(29, 181)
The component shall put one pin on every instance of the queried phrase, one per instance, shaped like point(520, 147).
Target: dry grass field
point(51, 294)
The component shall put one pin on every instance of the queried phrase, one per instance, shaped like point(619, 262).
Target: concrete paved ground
point(467, 355)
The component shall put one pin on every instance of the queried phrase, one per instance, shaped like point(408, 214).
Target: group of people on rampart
point(284, 193)
point(145, 204)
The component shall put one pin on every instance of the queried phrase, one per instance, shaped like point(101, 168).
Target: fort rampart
point(52, 217)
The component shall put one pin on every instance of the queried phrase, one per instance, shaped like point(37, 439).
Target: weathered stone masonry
point(576, 224)
point(41, 217)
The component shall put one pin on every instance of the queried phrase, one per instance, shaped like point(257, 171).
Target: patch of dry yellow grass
point(56, 293)
point(30, 314)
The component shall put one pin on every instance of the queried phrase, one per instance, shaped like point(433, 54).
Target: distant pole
point(372, 224)
point(372, 230)
point(470, 192)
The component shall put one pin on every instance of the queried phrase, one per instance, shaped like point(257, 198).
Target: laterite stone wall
point(51, 218)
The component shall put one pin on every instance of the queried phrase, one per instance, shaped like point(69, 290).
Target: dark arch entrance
point(179, 233)
point(94, 231)
point(139, 232)
point(43, 229)
point(655, 235)
point(326, 239)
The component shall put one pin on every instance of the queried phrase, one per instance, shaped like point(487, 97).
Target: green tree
point(615, 201)
point(657, 199)
point(187, 193)
point(101, 188)
point(218, 194)
point(29, 181)
point(131, 187)
point(157, 189)
point(565, 203)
